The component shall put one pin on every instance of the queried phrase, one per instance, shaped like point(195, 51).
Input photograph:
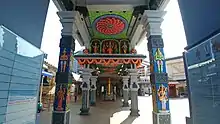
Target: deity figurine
point(104, 48)
point(63, 61)
point(124, 48)
point(110, 48)
point(162, 95)
point(60, 98)
point(95, 47)
point(159, 59)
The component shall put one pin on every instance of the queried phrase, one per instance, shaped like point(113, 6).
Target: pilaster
point(61, 111)
point(125, 90)
point(134, 92)
point(93, 90)
point(158, 77)
point(85, 91)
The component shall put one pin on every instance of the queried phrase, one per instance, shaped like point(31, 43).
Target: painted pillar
point(158, 77)
point(85, 91)
point(134, 92)
point(125, 90)
point(61, 111)
point(93, 90)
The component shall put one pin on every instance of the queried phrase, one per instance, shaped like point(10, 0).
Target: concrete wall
point(175, 69)
point(25, 17)
point(200, 18)
point(20, 74)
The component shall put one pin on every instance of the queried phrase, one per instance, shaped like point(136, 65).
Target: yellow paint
point(109, 86)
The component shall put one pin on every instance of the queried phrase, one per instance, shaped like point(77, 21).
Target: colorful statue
point(124, 48)
point(159, 60)
point(104, 48)
point(60, 98)
point(63, 61)
point(95, 47)
point(115, 46)
point(162, 95)
point(110, 48)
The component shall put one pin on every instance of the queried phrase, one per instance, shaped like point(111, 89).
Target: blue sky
point(173, 34)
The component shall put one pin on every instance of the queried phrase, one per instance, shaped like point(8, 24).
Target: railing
point(20, 74)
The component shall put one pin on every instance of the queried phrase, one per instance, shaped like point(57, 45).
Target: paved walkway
point(113, 113)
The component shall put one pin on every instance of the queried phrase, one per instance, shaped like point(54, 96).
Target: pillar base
point(84, 111)
point(134, 112)
point(61, 117)
point(161, 118)
point(189, 120)
point(92, 103)
point(125, 104)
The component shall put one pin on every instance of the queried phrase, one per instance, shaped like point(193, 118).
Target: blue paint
point(204, 82)
point(30, 16)
point(162, 104)
point(64, 60)
point(200, 18)
point(159, 60)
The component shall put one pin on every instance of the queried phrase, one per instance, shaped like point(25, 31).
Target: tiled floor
point(113, 113)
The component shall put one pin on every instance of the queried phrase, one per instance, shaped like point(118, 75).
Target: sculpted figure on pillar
point(159, 78)
point(162, 95)
point(159, 58)
point(63, 78)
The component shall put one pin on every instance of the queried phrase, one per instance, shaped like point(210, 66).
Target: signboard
point(203, 75)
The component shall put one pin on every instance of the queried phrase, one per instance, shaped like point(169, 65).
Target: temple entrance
point(110, 63)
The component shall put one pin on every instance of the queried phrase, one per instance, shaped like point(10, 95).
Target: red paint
point(110, 26)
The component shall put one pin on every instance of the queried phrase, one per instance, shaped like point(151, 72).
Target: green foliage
point(123, 69)
point(100, 68)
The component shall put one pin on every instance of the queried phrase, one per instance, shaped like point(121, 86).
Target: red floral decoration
point(86, 51)
point(110, 26)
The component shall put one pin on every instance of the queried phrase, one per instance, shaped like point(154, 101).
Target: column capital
point(94, 78)
point(85, 86)
point(125, 78)
point(86, 79)
point(67, 19)
point(134, 86)
point(125, 82)
point(66, 14)
point(86, 71)
point(132, 71)
point(86, 75)
point(93, 82)
point(153, 21)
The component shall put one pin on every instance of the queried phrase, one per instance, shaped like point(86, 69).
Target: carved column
point(125, 90)
point(61, 112)
point(134, 92)
point(85, 91)
point(93, 90)
point(158, 77)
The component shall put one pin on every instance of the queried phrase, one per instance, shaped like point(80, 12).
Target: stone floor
point(113, 113)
